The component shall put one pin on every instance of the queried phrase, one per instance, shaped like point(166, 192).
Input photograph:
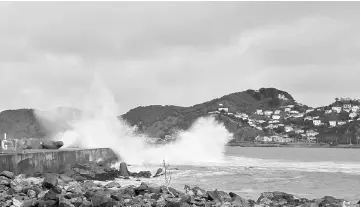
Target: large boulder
point(51, 144)
point(7, 174)
point(158, 173)
point(280, 198)
point(50, 180)
point(123, 169)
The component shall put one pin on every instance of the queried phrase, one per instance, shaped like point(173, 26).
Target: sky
point(176, 53)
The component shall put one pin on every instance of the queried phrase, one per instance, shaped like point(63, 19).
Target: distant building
point(223, 109)
point(328, 111)
point(273, 121)
point(352, 115)
point(276, 116)
point(277, 112)
point(282, 97)
point(299, 131)
point(337, 109)
point(268, 113)
point(287, 109)
point(341, 123)
point(290, 106)
point(263, 139)
point(309, 110)
point(355, 108)
point(316, 122)
point(259, 112)
point(311, 133)
point(347, 106)
point(288, 128)
point(333, 123)
point(294, 112)
point(307, 118)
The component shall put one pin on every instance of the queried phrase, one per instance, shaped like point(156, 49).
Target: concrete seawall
point(43, 161)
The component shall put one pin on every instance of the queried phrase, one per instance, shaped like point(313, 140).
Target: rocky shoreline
point(77, 187)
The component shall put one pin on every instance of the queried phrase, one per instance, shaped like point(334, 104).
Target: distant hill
point(22, 123)
point(248, 114)
point(158, 121)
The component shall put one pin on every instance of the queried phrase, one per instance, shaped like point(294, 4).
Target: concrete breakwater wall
point(43, 161)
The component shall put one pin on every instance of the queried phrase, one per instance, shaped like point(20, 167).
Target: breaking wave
point(100, 127)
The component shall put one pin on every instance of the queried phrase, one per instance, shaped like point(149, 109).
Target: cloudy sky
point(177, 53)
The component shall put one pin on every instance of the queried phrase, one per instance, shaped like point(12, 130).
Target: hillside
point(158, 121)
point(264, 115)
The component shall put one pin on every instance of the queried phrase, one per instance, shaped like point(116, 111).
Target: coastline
point(291, 145)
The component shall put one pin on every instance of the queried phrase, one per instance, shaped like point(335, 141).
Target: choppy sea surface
point(305, 172)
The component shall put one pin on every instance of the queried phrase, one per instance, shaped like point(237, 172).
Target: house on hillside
point(241, 115)
point(282, 97)
point(332, 123)
point(213, 112)
point(273, 121)
point(311, 139)
point(288, 128)
point(337, 109)
point(316, 122)
point(311, 133)
point(259, 112)
point(276, 116)
point(355, 108)
point(276, 112)
point(307, 118)
point(287, 109)
point(268, 113)
point(328, 111)
point(341, 123)
point(347, 107)
point(260, 121)
point(352, 115)
point(263, 139)
point(222, 108)
point(299, 131)
point(309, 110)
point(294, 112)
point(290, 106)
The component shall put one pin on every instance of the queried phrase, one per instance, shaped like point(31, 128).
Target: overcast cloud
point(179, 53)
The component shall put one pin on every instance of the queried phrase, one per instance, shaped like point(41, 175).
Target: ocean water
point(305, 172)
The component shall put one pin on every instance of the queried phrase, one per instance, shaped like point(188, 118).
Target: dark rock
point(158, 173)
point(65, 203)
point(51, 144)
point(238, 201)
point(74, 187)
point(214, 196)
point(50, 181)
point(280, 198)
point(123, 169)
point(7, 174)
point(98, 200)
point(76, 201)
point(50, 195)
point(331, 202)
point(358, 202)
point(144, 174)
point(112, 184)
point(173, 202)
point(4, 181)
point(65, 178)
point(78, 178)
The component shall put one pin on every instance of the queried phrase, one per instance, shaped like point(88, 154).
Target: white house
point(341, 122)
point(288, 128)
point(309, 110)
point(260, 121)
point(352, 115)
point(347, 106)
point(224, 109)
point(282, 97)
point(328, 111)
point(273, 121)
point(333, 123)
point(276, 116)
point(213, 112)
point(259, 128)
point(316, 117)
point(355, 108)
point(294, 112)
point(230, 113)
point(278, 139)
point(263, 139)
point(290, 106)
point(241, 115)
point(277, 112)
point(287, 109)
point(336, 109)
point(316, 122)
point(259, 112)
point(299, 131)
point(311, 133)
point(311, 139)
point(307, 118)
point(268, 113)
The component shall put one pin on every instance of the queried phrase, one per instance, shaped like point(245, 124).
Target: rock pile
point(52, 190)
